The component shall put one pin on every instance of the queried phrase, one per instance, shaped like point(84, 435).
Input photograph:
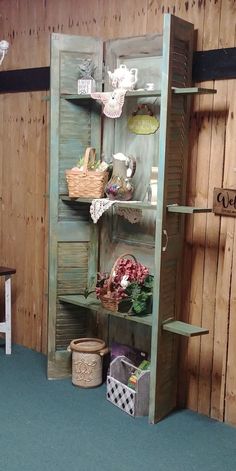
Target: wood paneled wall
point(207, 365)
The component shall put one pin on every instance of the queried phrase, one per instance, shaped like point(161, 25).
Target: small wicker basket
point(108, 302)
point(86, 183)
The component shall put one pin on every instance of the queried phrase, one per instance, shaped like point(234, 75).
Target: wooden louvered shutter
point(75, 125)
point(174, 118)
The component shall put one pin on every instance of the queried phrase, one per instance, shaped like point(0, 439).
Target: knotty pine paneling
point(207, 366)
point(23, 156)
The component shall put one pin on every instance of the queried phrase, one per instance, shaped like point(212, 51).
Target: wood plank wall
point(207, 365)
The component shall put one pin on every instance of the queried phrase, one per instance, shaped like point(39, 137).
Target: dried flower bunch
point(86, 69)
point(92, 165)
point(131, 282)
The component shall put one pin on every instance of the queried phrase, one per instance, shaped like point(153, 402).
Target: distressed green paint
point(73, 230)
point(171, 190)
point(93, 255)
point(73, 128)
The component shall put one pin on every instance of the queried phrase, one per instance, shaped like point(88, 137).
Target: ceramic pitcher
point(120, 186)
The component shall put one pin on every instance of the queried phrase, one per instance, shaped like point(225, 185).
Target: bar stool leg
point(8, 313)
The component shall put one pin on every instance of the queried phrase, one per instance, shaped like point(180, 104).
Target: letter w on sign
point(224, 202)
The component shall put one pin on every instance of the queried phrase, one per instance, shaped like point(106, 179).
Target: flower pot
point(87, 354)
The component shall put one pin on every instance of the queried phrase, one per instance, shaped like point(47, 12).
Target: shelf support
point(182, 328)
point(175, 208)
point(193, 91)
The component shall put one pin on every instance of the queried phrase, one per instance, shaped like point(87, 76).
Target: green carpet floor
point(54, 426)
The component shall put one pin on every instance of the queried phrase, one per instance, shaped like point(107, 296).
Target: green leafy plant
point(140, 295)
point(96, 165)
point(89, 289)
point(91, 166)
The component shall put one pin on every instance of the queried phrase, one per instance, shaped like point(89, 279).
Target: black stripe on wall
point(218, 64)
point(25, 80)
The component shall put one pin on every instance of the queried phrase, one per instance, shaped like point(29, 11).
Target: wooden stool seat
point(5, 326)
point(7, 271)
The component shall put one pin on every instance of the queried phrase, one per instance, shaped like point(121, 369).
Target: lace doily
point(112, 101)
point(131, 214)
point(100, 205)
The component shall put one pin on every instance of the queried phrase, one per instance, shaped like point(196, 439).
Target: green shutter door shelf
point(77, 247)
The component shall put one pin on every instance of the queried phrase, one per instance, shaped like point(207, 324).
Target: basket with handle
point(86, 183)
point(107, 296)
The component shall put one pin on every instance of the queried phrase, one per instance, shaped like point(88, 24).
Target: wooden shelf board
point(136, 205)
point(143, 93)
point(130, 94)
point(172, 208)
point(123, 204)
point(75, 96)
point(182, 328)
point(95, 305)
point(75, 200)
point(193, 91)
point(147, 93)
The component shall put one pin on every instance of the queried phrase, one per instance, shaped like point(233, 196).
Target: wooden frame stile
point(53, 170)
point(53, 203)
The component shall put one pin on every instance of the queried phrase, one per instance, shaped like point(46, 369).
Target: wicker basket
point(86, 183)
point(106, 298)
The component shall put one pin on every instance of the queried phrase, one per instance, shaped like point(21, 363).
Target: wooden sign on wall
point(224, 202)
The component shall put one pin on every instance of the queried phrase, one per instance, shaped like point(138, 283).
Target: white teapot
point(124, 78)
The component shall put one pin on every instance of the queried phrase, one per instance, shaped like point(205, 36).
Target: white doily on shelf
point(100, 205)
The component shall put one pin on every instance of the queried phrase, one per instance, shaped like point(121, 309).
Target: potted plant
point(86, 82)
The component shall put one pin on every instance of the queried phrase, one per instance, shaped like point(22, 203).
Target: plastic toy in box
point(134, 355)
point(133, 379)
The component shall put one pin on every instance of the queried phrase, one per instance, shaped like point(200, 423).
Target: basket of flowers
point(127, 288)
point(88, 178)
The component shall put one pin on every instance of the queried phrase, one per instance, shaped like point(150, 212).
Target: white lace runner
point(100, 205)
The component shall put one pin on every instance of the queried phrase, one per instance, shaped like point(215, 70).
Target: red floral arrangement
point(129, 280)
